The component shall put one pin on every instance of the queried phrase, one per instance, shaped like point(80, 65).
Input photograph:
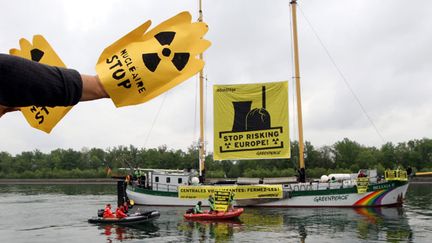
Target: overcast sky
point(382, 48)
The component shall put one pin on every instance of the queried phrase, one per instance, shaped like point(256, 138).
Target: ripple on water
point(62, 217)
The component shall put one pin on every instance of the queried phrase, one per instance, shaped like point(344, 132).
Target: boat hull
point(152, 198)
point(131, 220)
point(377, 198)
point(214, 216)
point(385, 194)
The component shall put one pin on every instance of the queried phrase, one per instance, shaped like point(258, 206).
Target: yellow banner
point(41, 117)
point(241, 192)
point(222, 200)
point(144, 64)
point(251, 121)
point(396, 175)
point(362, 184)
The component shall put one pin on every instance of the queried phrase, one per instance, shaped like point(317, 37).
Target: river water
point(59, 213)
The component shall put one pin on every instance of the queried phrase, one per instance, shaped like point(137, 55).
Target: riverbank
point(112, 181)
point(93, 181)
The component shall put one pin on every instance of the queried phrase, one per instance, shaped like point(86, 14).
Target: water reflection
point(73, 189)
point(51, 214)
point(217, 230)
point(389, 224)
point(419, 200)
point(250, 222)
point(114, 233)
point(376, 224)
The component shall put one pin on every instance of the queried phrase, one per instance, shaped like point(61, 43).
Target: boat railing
point(279, 180)
point(317, 185)
point(248, 181)
point(165, 187)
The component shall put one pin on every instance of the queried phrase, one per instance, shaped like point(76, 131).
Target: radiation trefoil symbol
point(41, 117)
point(179, 59)
point(157, 60)
point(36, 54)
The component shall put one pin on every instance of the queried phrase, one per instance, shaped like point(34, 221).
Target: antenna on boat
point(302, 173)
point(201, 138)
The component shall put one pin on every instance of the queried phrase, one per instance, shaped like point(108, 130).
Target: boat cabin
point(163, 180)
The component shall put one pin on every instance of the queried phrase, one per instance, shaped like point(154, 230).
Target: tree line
point(344, 156)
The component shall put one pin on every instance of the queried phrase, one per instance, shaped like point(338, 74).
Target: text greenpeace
point(330, 198)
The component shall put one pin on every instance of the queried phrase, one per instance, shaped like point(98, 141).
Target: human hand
point(41, 117)
point(140, 65)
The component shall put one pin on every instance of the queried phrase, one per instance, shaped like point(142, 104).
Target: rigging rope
point(155, 118)
point(345, 80)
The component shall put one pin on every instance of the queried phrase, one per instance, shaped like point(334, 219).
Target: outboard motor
point(100, 213)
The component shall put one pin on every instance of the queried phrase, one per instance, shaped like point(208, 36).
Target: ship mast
point(302, 176)
point(201, 138)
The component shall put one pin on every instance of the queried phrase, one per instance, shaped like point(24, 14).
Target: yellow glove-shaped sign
point(140, 66)
point(41, 117)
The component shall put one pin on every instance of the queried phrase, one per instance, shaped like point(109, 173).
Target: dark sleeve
point(25, 83)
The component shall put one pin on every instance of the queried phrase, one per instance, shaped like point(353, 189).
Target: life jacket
point(125, 208)
point(107, 213)
point(120, 214)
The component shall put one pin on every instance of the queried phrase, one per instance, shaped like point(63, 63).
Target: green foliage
point(56, 173)
point(264, 172)
point(215, 174)
point(345, 156)
point(317, 172)
point(346, 153)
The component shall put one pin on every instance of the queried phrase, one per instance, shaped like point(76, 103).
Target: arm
point(25, 83)
point(92, 88)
